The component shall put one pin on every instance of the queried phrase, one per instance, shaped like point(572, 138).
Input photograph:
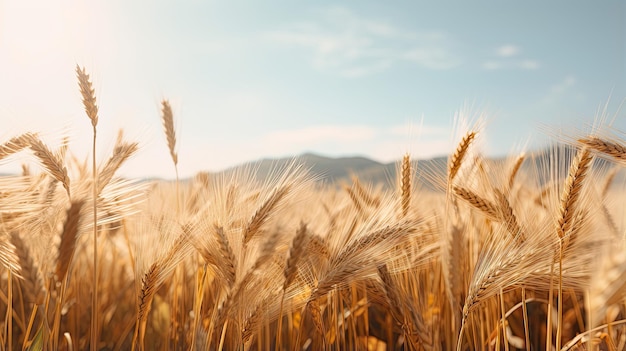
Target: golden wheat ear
point(123, 151)
point(14, 145)
point(88, 94)
point(31, 275)
point(614, 149)
point(170, 132)
point(572, 191)
point(456, 160)
point(51, 161)
point(69, 237)
point(406, 182)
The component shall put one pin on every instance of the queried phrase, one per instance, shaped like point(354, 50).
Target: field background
point(464, 252)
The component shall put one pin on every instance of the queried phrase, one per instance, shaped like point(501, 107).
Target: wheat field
point(522, 254)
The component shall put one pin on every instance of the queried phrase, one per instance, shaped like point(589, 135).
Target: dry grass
point(523, 254)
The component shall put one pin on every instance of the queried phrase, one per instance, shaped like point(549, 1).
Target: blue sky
point(251, 79)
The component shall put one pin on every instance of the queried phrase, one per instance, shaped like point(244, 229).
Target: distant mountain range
point(331, 171)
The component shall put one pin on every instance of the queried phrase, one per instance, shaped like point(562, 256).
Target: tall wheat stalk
point(91, 109)
point(566, 222)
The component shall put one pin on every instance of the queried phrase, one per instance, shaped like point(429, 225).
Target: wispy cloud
point(509, 56)
point(561, 89)
point(508, 50)
point(350, 45)
point(563, 85)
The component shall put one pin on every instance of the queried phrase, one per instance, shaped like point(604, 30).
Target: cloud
point(433, 58)
point(562, 89)
point(508, 57)
point(529, 64)
point(349, 45)
point(563, 85)
point(508, 50)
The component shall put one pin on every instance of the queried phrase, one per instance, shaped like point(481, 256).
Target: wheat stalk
point(569, 201)
point(91, 109)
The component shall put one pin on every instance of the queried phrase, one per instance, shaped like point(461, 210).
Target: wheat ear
point(296, 251)
point(572, 190)
point(123, 151)
point(14, 145)
point(406, 179)
point(477, 201)
point(69, 237)
point(508, 217)
point(228, 260)
point(457, 158)
point(363, 194)
point(89, 95)
point(263, 213)
point(360, 255)
point(32, 282)
point(515, 169)
point(609, 180)
point(51, 162)
point(611, 148)
point(154, 277)
point(168, 126)
point(397, 307)
point(8, 257)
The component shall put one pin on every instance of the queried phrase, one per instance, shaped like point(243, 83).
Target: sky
point(255, 79)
